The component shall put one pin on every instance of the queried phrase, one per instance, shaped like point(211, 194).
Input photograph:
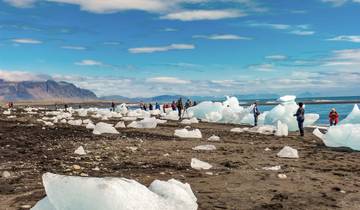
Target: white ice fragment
point(208, 147)
point(129, 118)
point(63, 121)
point(184, 133)
point(145, 123)
point(48, 123)
point(288, 152)
point(200, 165)
point(173, 115)
point(122, 109)
point(88, 193)
point(237, 130)
point(282, 176)
point(159, 121)
point(272, 168)
point(90, 126)
point(190, 121)
point(102, 128)
point(75, 122)
point(281, 129)
point(318, 133)
point(87, 121)
point(214, 138)
point(80, 151)
point(353, 117)
point(7, 112)
point(120, 124)
point(344, 135)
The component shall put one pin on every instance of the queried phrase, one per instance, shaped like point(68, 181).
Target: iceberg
point(285, 111)
point(200, 165)
point(122, 109)
point(353, 117)
point(88, 193)
point(184, 133)
point(347, 135)
point(102, 128)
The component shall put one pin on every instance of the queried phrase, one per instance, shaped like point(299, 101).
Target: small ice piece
point(207, 147)
point(120, 124)
point(63, 121)
point(173, 115)
point(272, 168)
point(214, 138)
point(80, 151)
point(282, 176)
point(75, 122)
point(7, 112)
point(87, 121)
point(190, 121)
point(237, 130)
point(281, 129)
point(90, 126)
point(200, 165)
point(102, 128)
point(48, 123)
point(353, 117)
point(267, 149)
point(288, 152)
point(129, 118)
point(184, 133)
point(11, 117)
point(145, 123)
point(345, 135)
point(318, 134)
point(89, 193)
point(159, 121)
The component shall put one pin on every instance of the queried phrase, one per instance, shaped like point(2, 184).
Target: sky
point(143, 48)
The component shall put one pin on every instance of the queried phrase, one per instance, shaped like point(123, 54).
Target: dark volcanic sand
point(321, 179)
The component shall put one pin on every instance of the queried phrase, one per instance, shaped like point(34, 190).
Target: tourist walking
point(180, 107)
point(256, 113)
point(300, 117)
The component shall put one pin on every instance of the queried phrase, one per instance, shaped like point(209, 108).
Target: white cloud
point(20, 3)
point(27, 41)
point(276, 57)
point(18, 76)
point(74, 47)
point(222, 37)
point(170, 29)
point(335, 2)
point(193, 15)
point(167, 80)
point(302, 32)
point(89, 63)
point(347, 59)
point(346, 38)
point(263, 67)
point(271, 25)
point(161, 48)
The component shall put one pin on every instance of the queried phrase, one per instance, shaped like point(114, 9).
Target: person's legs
point(255, 120)
point(331, 123)
point(179, 113)
point(301, 127)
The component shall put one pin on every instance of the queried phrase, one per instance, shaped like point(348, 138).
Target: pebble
point(76, 167)
point(25, 207)
point(96, 169)
point(83, 174)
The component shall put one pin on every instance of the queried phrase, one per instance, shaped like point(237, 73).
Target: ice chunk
point(63, 121)
point(285, 111)
point(346, 135)
point(353, 117)
point(158, 121)
point(90, 126)
point(173, 115)
point(184, 133)
point(208, 147)
point(75, 122)
point(80, 151)
point(288, 152)
point(7, 112)
point(272, 168)
point(281, 129)
point(238, 130)
point(318, 134)
point(87, 121)
point(102, 128)
point(190, 121)
point(145, 123)
point(200, 165)
point(84, 193)
point(122, 109)
point(214, 138)
point(120, 124)
point(129, 118)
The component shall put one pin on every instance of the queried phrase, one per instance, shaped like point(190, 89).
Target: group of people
point(300, 117)
point(150, 106)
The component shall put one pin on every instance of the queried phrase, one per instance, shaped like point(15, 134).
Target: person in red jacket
point(333, 117)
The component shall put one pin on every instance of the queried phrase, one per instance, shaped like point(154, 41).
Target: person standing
point(113, 106)
point(333, 117)
point(173, 106)
point(256, 113)
point(151, 107)
point(300, 117)
point(180, 107)
point(157, 106)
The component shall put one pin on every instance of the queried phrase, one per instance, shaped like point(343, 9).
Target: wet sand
point(322, 178)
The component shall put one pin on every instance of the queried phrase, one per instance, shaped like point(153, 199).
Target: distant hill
point(42, 90)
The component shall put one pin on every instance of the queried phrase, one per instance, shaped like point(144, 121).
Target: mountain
point(42, 90)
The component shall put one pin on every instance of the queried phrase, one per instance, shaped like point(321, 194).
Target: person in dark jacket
point(112, 106)
point(157, 106)
point(151, 107)
point(333, 117)
point(300, 117)
point(180, 106)
point(256, 113)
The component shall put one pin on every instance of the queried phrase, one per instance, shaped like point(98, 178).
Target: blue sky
point(191, 47)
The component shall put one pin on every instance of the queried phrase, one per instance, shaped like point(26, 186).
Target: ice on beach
point(172, 115)
point(104, 128)
point(159, 121)
point(75, 122)
point(272, 168)
point(80, 151)
point(288, 152)
point(281, 129)
point(88, 193)
point(7, 112)
point(120, 124)
point(90, 126)
point(122, 109)
point(184, 133)
point(200, 165)
point(82, 112)
point(63, 121)
point(129, 118)
point(87, 121)
point(214, 138)
point(346, 135)
point(239, 130)
point(145, 123)
point(353, 117)
point(285, 111)
point(11, 117)
point(190, 121)
point(318, 133)
point(207, 147)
